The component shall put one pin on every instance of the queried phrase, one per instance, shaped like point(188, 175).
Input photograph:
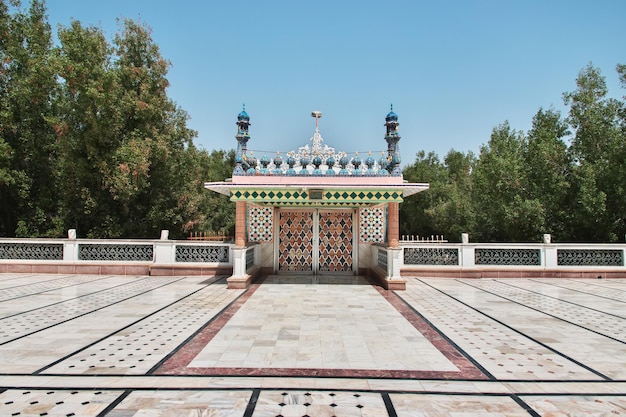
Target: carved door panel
point(315, 241)
point(335, 241)
point(295, 241)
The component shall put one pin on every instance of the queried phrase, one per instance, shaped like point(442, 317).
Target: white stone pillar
point(394, 261)
point(550, 256)
point(467, 253)
point(240, 278)
point(164, 252)
point(70, 247)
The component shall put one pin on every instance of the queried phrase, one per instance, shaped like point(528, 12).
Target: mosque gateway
point(316, 210)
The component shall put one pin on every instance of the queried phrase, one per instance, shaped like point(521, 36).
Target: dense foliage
point(89, 139)
point(522, 185)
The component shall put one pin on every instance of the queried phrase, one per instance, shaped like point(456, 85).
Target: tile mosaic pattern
point(295, 247)
point(297, 403)
point(23, 290)
point(260, 224)
point(71, 403)
point(183, 403)
point(502, 351)
point(335, 241)
point(320, 335)
point(138, 348)
point(286, 197)
point(549, 347)
point(372, 225)
point(453, 405)
point(578, 406)
point(36, 319)
point(316, 403)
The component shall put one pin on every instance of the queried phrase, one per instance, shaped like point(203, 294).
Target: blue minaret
point(393, 137)
point(242, 136)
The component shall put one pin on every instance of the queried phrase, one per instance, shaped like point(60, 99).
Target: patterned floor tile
point(319, 404)
point(37, 403)
point(183, 404)
point(577, 405)
point(416, 405)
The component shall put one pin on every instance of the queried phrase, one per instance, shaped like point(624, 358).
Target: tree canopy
point(523, 185)
point(90, 140)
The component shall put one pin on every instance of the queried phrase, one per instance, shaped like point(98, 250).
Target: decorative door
point(295, 241)
point(335, 241)
point(315, 241)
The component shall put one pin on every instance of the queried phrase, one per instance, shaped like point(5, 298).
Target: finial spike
point(244, 106)
point(391, 106)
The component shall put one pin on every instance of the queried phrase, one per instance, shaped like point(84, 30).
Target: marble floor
point(79, 345)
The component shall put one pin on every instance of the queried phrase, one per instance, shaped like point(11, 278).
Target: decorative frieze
point(328, 196)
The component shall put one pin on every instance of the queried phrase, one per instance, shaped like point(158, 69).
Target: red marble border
point(178, 364)
point(466, 367)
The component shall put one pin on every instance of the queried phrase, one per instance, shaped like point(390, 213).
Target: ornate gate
point(295, 241)
point(335, 241)
point(313, 241)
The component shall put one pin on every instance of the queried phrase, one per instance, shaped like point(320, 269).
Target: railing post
point(550, 256)
point(394, 259)
point(164, 249)
point(70, 247)
point(467, 259)
point(240, 278)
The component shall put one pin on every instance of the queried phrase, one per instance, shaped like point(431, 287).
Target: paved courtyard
point(80, 345)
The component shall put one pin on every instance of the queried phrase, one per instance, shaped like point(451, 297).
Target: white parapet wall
point(112, 255)
point(485, 259)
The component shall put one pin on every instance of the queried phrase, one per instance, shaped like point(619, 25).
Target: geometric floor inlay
point(294, 345)
point(291, 328)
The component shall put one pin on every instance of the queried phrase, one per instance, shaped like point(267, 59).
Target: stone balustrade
point(427, 259)
point(115, 256)
point(514, 260)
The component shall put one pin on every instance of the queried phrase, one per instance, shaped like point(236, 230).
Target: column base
point(395, 284)
point(238, 283)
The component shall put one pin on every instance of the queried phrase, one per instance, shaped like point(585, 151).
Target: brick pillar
point(393, 225)
point(240, 224)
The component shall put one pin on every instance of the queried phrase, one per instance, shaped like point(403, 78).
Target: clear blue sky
point(452, 69)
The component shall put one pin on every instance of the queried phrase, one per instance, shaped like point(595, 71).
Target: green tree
point(88, 131)
point(504, 209)
point(547, 169)
point(127, 155)
point(147, 175)
point(598, 196)
point(454, 214)
point(28, 91)
point(216, 212)
point(415, 217)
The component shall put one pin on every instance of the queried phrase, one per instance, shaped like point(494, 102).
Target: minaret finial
point(391, 106)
